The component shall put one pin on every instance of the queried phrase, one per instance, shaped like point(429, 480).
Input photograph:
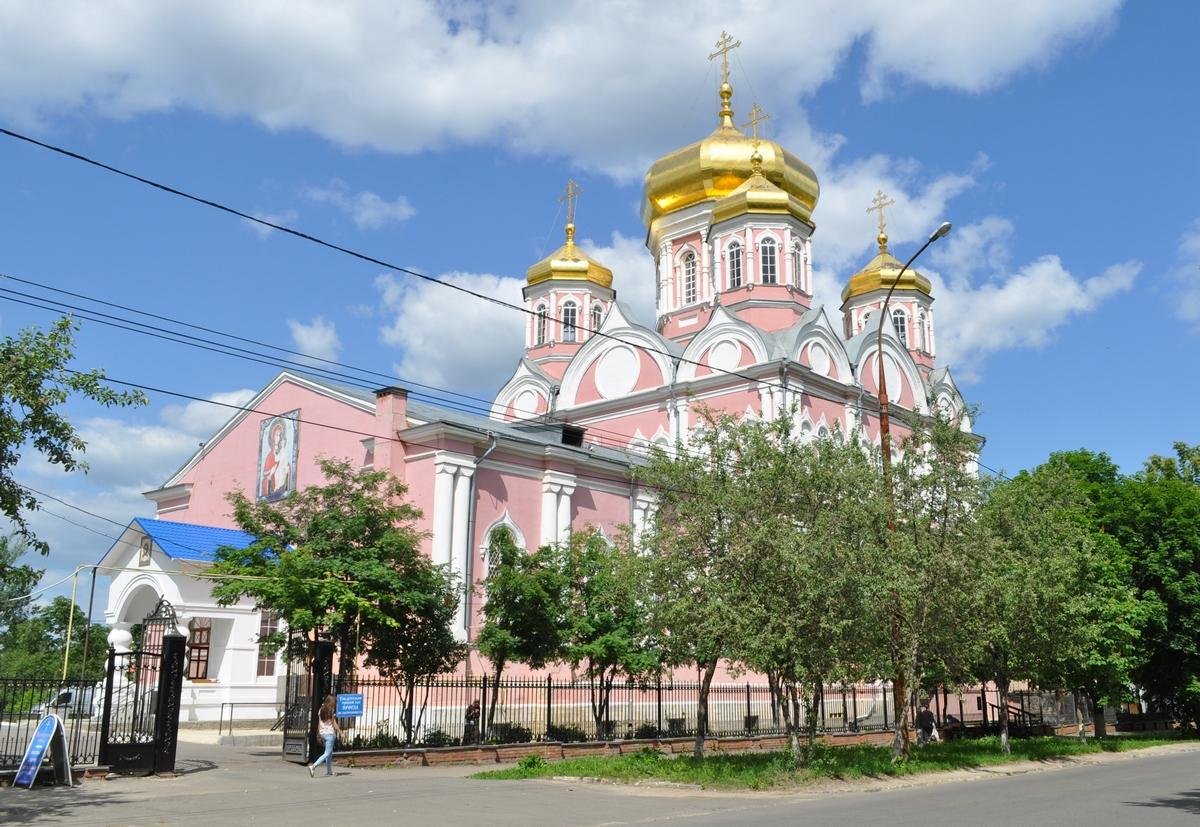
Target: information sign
point(349, 704)
point(49, 735)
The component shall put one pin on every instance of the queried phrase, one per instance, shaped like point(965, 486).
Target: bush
point(531, 763)
point(647, 731)
point(565, 734)
point(439, 738)
point(509, 734)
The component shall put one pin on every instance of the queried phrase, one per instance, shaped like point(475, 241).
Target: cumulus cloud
point(283, 219)
point(318, 338)
point(1021, 309)
point(368, 210)
point(361, 74)
point(1186, 276)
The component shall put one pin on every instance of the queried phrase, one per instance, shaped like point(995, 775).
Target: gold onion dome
point(756, 195)
point(570, 263)
point(881, 272)
point(716, 166)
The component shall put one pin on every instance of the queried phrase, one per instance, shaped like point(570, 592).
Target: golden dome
point(881, 272)
point(757, 195)
point(571, 263)
point(714, 167)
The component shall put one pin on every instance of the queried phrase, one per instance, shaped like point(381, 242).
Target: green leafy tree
point(420, 644)
point(604, 627)
point(33, 646)
point(331, 558)
point(693, 547)
point(37, 381)
point(522, 610)
point(16, 581)
point(819, 505)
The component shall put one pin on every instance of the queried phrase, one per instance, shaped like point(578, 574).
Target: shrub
point(647, 730)
point(509, 734)
point(531, 763)
point(565, 734)
point(439, 738)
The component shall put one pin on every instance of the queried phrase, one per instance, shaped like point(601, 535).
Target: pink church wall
point(232, 463)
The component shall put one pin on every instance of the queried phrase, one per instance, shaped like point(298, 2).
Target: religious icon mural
point(277, 446)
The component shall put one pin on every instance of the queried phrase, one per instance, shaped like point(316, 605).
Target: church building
point(730, 225)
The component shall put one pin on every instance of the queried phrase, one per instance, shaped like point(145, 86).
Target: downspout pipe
point(468, 586)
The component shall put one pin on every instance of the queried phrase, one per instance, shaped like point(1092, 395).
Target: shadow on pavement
point(1189, 802)
point(188, 766)
point(19, 806)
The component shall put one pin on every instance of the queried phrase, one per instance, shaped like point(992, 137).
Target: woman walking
point(328, 729)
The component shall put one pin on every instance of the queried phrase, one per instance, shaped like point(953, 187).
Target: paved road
point(222, 785)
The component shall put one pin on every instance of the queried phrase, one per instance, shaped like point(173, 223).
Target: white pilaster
point(460, 544)
point(443, 505)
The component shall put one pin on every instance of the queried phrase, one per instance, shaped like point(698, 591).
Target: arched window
point(597, 317)
point(689, 278)
point(921, 332)
point(899, 322)
point(569, 321)
point(770, 267)
point(541, 324)
point(734, 263)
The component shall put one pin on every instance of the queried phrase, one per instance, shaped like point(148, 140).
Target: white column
point(549, 514)
point(785, 250)
point(748, 274)
point(460, 544)
point(764, 401)
point(443, 504)
point(564, 512)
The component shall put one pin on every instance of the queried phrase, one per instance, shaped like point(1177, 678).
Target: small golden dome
point(714, 167)
point(756, 195)
point(570, 263)
point(881, 272)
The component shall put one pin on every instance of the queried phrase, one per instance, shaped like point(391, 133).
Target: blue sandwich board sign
point(49, 735)
point(349, 704)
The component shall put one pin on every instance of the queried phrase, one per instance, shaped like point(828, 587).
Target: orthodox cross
point(757, 116)
point(570, 196)
point(724, 46)
point(879, 203)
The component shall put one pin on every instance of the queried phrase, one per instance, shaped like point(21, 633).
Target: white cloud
point(449, 340)
point(283, 219)
point(1186, 275)
point(368, 210)
point(1021, 309)
point(318, 338)
point(522, 76)
point(633, 273)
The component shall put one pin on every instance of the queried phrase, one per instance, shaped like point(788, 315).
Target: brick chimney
point(391, 416)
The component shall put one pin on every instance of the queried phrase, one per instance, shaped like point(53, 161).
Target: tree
point(522, 610)
point(692, 542)
point(420, 645)
point(818, 506)
point(604, 626)
point(923, 576)
point(36, 383)
point(33, 647)
point(335, 557)
point(16, 581)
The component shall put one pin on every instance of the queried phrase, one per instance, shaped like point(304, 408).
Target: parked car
point(72, 702)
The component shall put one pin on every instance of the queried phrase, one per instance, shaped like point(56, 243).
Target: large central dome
point(714, 167)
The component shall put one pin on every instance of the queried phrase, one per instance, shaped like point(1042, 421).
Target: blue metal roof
point(187, 541)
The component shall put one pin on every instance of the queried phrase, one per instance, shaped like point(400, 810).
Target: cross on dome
point(758, 115)
point(725, 45)
point(570, 195)
point(877, 204)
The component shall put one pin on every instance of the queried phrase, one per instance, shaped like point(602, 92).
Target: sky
point(1059, 138)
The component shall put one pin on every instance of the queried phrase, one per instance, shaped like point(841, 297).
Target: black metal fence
point(24, 701)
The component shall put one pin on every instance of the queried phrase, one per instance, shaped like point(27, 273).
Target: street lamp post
point(885, 425)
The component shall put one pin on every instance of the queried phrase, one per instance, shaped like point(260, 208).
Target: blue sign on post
point(349, 705)
point(43, 740)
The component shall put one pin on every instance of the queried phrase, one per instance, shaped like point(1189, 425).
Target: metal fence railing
point(24, 701)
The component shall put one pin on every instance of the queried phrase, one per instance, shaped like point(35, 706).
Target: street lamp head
point(941, 231)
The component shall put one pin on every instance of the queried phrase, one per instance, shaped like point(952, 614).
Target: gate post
point(322, 685)
point(102, 752)
point(166, 717)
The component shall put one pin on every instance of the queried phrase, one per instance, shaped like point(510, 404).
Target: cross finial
point(757, 115)
point(877, 204)
point(570, 195)
point(725, 45)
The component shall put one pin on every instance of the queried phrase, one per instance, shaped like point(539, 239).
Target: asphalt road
point(221, 785)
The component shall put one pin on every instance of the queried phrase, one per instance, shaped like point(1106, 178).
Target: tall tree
point(604, 626)
point(328, 558)
point(16, 581)
point(522, 609)
point(33, 646)
point(695, 566)
point(420, 644)
point(37, 381)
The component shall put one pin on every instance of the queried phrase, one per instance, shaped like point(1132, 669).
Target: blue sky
point(1059, 138)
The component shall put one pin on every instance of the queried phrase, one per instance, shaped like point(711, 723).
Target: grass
point(760, 771)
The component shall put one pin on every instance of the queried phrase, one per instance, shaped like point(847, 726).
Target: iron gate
point(142, 687)
point(309, 680)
